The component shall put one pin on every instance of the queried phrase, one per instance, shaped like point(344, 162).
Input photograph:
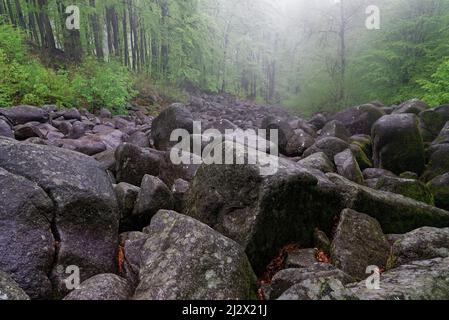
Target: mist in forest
point(307, 55)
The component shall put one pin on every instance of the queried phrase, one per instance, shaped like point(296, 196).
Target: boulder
point(422, 244)
point(413, 106)
point(443, 137)
point(28, 130)
point(102, 287)
point(438, 162)
point(5, 129)
point(318, 121)
point(283, 129)
point(298, 143)
point(27, 245)
point(396, 213)
point(88, 145)
point(24, 114)
point(133, 162)
point(335, 129)
point(174, 117)
point(398, 145)
point(179, 191)
point(126, 197)
point(363, 141)
point(330, 146)
point(302, 258)
point(375, 173)
point(10, 290)
point(72, 114)
point(420, 280)
point(359, 243)
point(348, 167)
point(185, 259)
point(153, 196)
point(287, 278)
point(410, 188)
point(318, 161)
point(318, 289)
point(263, 210)
point(439, 187)
point(86, 217)
point(360, 156)
point(359, 120)
point(139, 139)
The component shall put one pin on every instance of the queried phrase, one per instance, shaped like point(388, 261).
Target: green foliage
point(435, 89)
point(93, 84)
point(100, 84)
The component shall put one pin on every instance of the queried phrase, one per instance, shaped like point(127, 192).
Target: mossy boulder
point(359, 120)
point(398, 144)
point(439, 186)
point(410, 188)
point(396, 214)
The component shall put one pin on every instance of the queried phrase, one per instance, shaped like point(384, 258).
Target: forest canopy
point(308, 55)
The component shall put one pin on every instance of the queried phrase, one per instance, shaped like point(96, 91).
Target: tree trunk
point(32, 23)
point(20, 15)
point(48, 39)
point(125, 37)
point(72, 38)
point(12, 18)
point(96, 32)
point(342, 34)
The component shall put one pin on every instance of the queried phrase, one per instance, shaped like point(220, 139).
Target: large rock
point(174, 117)
point(396, 213)
point(421, 280)
point(10, 290)
point(330, 146)
point(23, 114)
point(5, 129)
point(102, 287)
point(287, 278)
point(263, 212)
point(359, 243)
point(153, 196)
point(348, 167)
point(421, 244)
point(185, 259)
point(413, 106)
point(398, 145)
point(284, 132)
point(126, 197)
point(327, 288)
point(359, 120)
point(133, 163)
point(27, 244)
point(407, 187)
point(318, 161)
point(86, 218)
point(438, 161)
point(335, 129)
point(439, 187)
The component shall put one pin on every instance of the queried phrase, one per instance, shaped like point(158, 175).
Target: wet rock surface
point(365, 187)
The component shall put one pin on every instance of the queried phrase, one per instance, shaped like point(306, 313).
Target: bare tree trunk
point(342, 35)
point(96, 32)
point(32, 23)
point(44, 22)
point(72, 38)
point(20, 15)
point(125, 37)
point(12, 18)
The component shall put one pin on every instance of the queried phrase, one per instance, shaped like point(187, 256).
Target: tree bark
point(48, 40)
point(20, 15)
point(96, 32)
